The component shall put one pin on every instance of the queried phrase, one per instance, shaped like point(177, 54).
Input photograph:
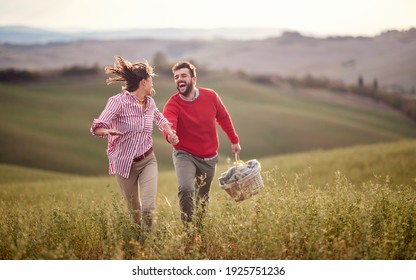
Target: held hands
point(172, 137)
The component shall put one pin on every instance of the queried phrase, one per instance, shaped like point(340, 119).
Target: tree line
point(11, 75)
point(395, 96)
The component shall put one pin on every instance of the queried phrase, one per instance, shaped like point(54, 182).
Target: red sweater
point(195, 122)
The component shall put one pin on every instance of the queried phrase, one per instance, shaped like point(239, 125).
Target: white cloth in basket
point(238, 172)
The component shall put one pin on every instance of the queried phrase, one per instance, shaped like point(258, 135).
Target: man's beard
point(187, 91)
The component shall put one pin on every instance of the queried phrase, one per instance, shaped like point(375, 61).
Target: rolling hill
point(389, 57)
point(47, 123)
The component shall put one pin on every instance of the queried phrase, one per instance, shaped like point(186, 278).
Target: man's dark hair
point(185, 64)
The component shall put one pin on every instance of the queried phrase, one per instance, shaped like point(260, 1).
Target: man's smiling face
point(184, 82)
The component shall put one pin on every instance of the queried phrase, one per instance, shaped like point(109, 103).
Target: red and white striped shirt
point(124, 113)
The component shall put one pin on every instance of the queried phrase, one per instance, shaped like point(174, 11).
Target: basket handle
point(238, 161)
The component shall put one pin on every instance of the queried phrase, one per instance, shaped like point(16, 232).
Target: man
point(193, 113)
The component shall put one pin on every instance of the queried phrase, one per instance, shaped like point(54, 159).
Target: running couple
point(188, 123)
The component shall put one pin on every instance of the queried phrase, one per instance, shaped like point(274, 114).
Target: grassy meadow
point(339, 174)
point(46, 124)
point(346, 203)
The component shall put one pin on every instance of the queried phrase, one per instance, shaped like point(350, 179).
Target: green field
point(339, 173)
point(46, 124)
point(349, 203)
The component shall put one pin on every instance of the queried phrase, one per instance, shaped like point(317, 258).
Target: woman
point(127, 122)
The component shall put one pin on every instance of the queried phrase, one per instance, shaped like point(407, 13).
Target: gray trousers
point(195, 177)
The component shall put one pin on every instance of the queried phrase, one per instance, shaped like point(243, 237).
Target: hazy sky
point(312, 17)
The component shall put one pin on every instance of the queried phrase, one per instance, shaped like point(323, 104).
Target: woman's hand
point(173, 138)
point(113, 131)
point(107, 132)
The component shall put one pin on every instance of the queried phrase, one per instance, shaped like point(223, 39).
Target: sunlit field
point(313, 206)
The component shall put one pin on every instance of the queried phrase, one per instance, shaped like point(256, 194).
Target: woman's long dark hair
point(130, 73)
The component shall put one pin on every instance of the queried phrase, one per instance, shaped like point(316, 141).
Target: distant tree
point(161, 63)
point(375, 85)
point(78, 70)
point(243, 75)
point(14, 75)
point(262, 79)
point(360, 81)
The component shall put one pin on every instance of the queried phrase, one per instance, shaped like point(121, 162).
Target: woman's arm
point(101, 131)
point(102, 125)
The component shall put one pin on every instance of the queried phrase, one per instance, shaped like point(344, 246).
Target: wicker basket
point(245, 187)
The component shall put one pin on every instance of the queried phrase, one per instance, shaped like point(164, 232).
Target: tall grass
point(295, 216)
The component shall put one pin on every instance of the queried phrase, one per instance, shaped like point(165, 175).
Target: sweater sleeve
point(224, 120)
point(170, 112)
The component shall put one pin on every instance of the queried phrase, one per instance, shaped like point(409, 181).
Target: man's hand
point(235, 148)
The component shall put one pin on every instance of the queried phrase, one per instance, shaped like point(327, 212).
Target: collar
point(131, 94)
point(193, 99)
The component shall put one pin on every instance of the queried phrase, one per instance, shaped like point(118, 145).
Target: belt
point(139, 158)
